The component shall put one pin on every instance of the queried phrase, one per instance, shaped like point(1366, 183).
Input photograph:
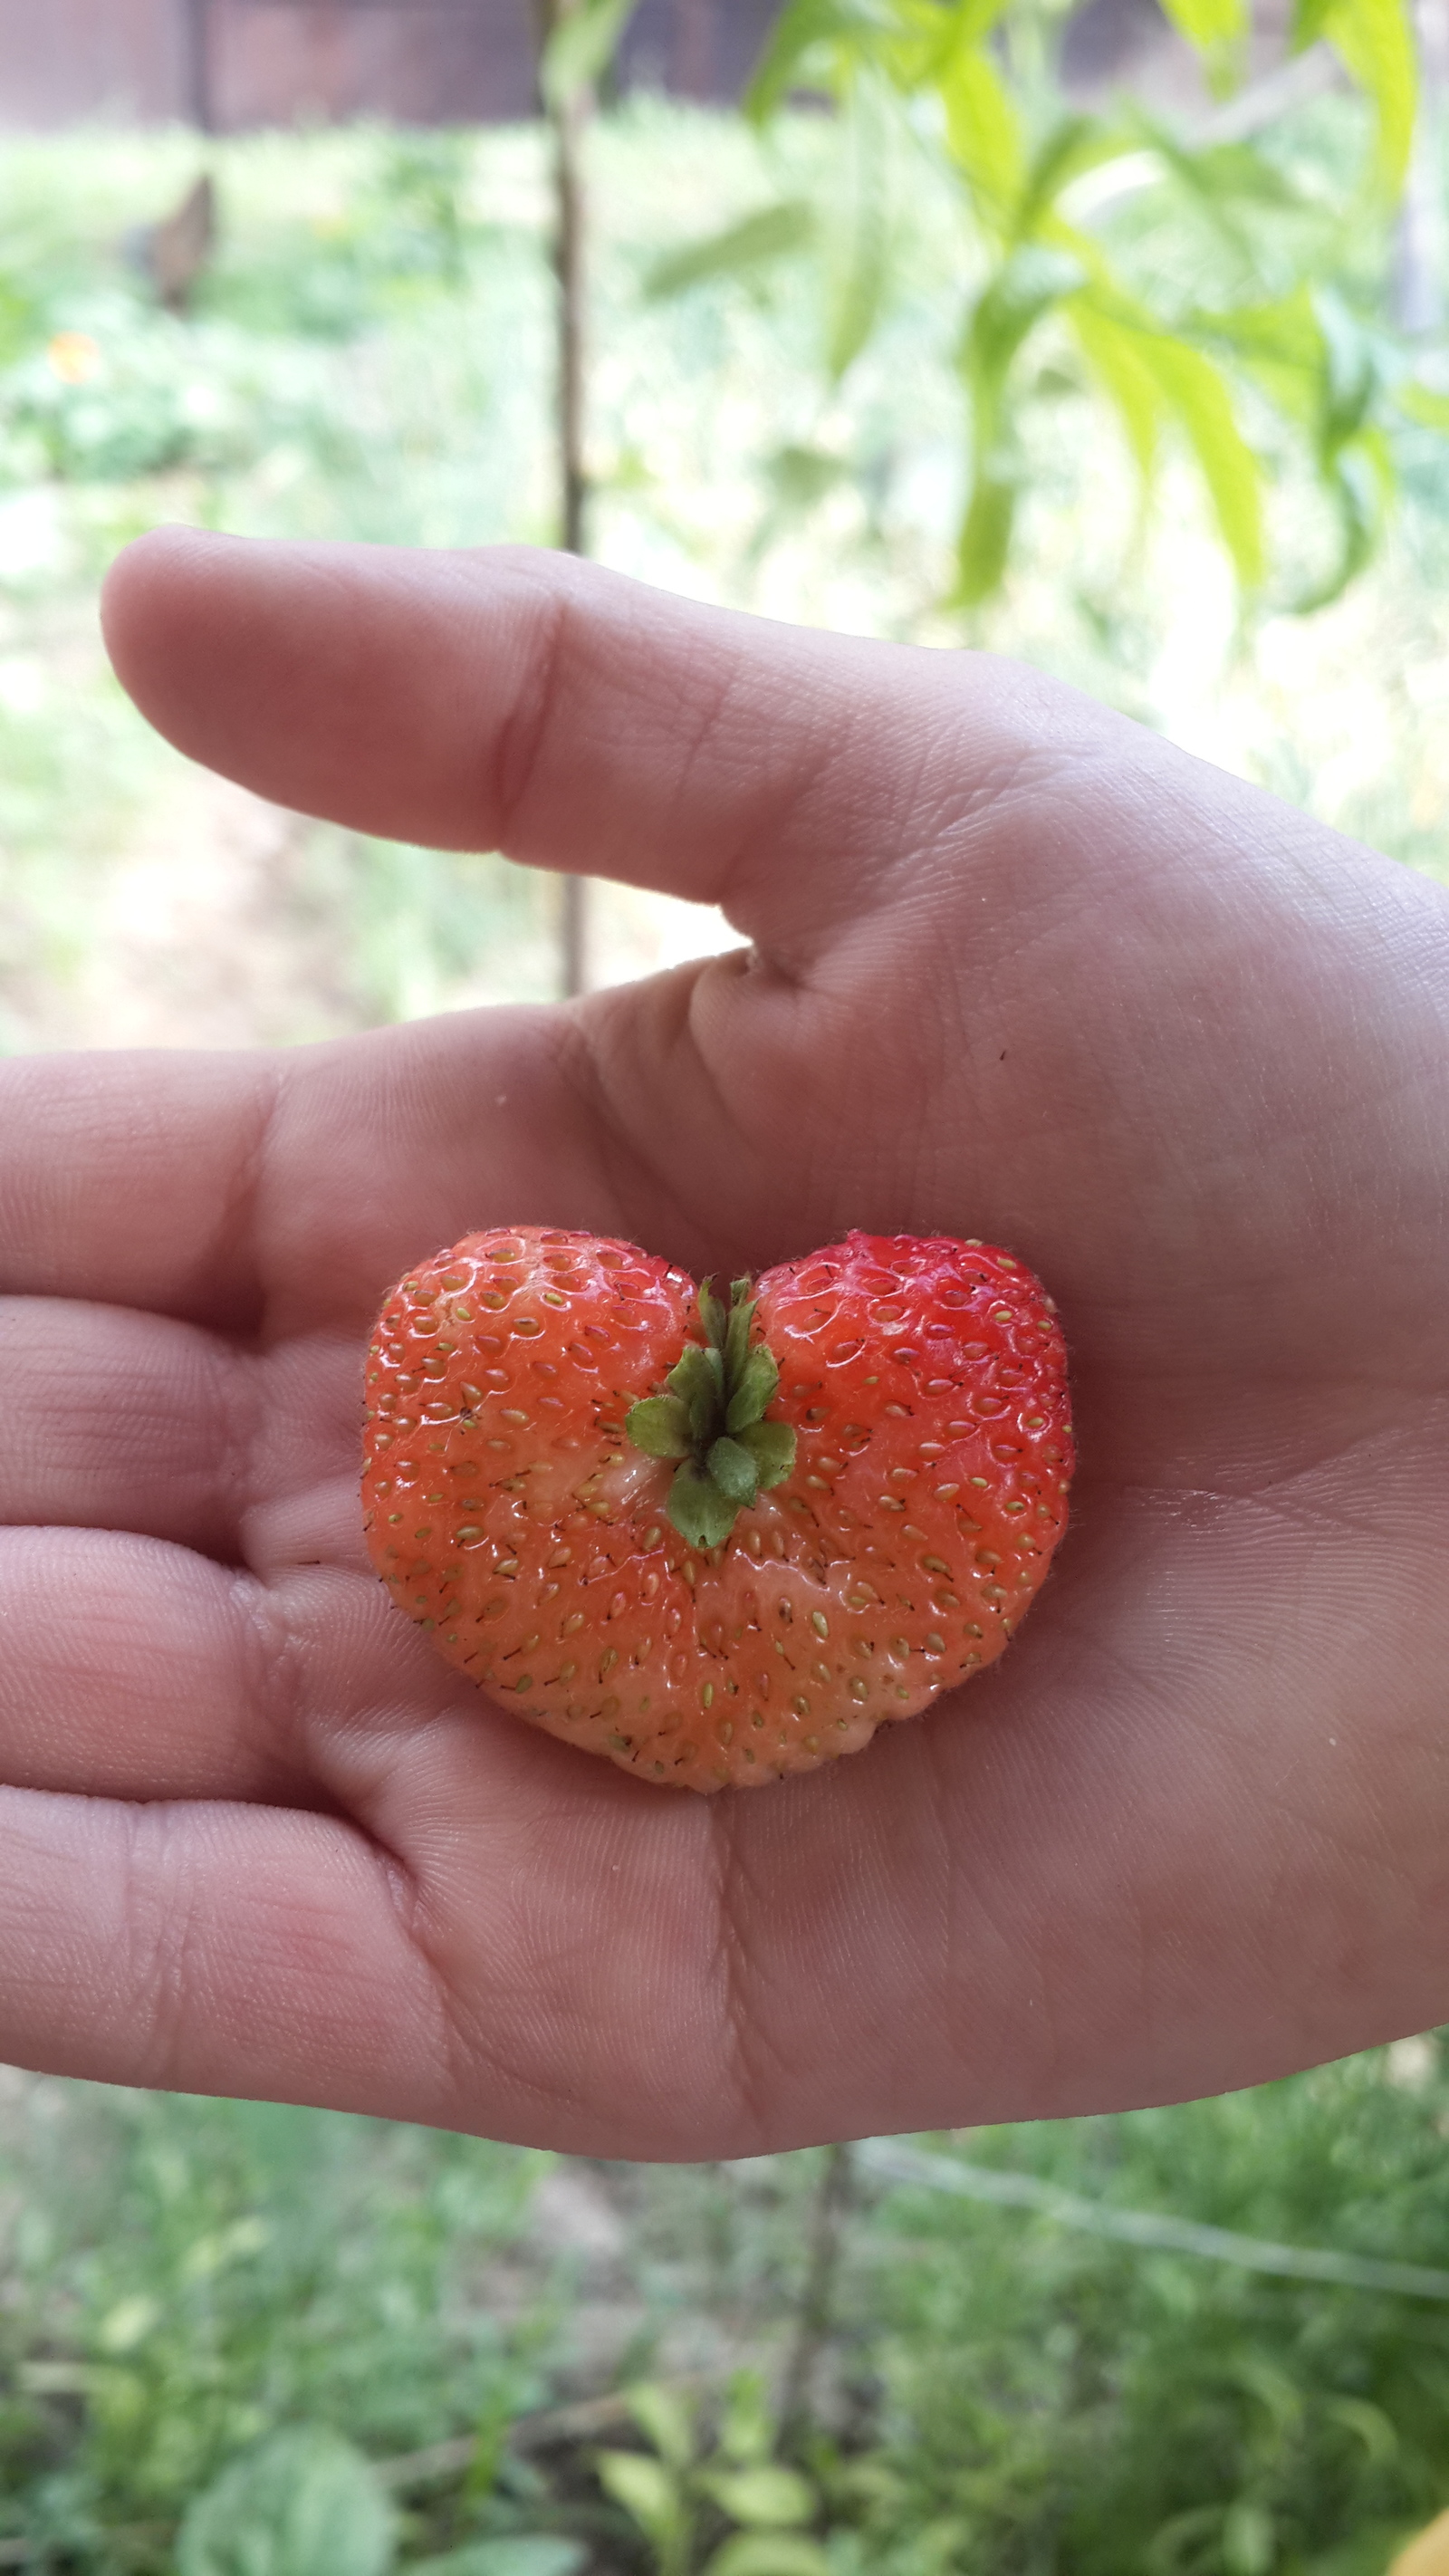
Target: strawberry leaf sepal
point(660, 1426)
point(701, 1513)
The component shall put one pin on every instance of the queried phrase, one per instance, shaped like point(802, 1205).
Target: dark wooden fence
point(230, 64)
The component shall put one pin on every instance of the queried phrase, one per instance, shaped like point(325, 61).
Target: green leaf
point(984, 542)
point(659, 1425)
point(1374, 41)
point(667, 2417)
point(1212, 26)
point(714, 1315)
point(700, 1512)
point(649, 2492)
point(1026, 286)
point(1131, 387)
point(698, 1378)
point(1421, 403)
point(774, 232)
point(757, 1383)
point(737, 1338)
point(767, 2496)
point(983, 134)
point(734, 1471)
point(800, 476)
point(581, 48)
point(859, 234)
point(1282, 345)
point(768, 2553)
point(531, 2553)
point(1196, 393)
point(746, 2434)
point(1074, 145)
point(305, 2503)
point(772, 1446)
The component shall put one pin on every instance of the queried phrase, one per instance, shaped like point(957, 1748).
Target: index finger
point(517, 700)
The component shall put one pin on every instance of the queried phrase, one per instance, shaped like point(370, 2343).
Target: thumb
point(523, 701)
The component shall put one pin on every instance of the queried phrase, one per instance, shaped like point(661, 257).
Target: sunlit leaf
point(648, 2491)
point(1282, 345)
point(1132, 389)
point(1074, 145)
point(304, 2504)
point(581, 48)
point(1211, 25)
point(1422, 404)
point(983, 132)
point(1196, 394)
point(774, 232)
point(1025, 287)
point(859, 236)
point(767, 2496)
point(984, 542)
point(1374, 40)
point(815, 43)
point(666, 2415)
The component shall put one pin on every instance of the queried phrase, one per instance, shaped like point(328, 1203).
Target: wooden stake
point(568, 122)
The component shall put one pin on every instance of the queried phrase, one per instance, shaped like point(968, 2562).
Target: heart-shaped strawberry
point(716, 1543)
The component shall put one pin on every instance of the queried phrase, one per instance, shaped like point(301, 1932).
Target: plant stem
point(815, 2315)
point(196, 40)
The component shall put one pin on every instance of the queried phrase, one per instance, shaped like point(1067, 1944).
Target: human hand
point(1019, 970)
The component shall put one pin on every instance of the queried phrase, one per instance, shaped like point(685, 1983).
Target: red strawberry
point(716, 1544)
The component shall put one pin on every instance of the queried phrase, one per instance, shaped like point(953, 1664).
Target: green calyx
point(712, 1421)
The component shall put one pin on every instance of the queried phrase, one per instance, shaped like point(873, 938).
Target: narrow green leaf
point(714, 1315)
point(1024, 287)
point(697, 1377)
point(700, 1512)
point(859, 236)
point(1374, 41)
point(757, 1383)
point(772, 1446)
point(1197, 396)
point(1074, 145)
point(659, 1426)
point(985, 539)
point(1309, 20)
point(1130, 386)
point(983, 133)
point(1281, 343)
point(737, 1337)
point(734, 1470)
point(774, 232)
point(581, 48)
point(1212, 26)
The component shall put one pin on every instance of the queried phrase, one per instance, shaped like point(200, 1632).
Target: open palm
point(1019, 971)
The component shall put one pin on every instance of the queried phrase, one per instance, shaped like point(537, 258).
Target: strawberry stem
point(712, 1421)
